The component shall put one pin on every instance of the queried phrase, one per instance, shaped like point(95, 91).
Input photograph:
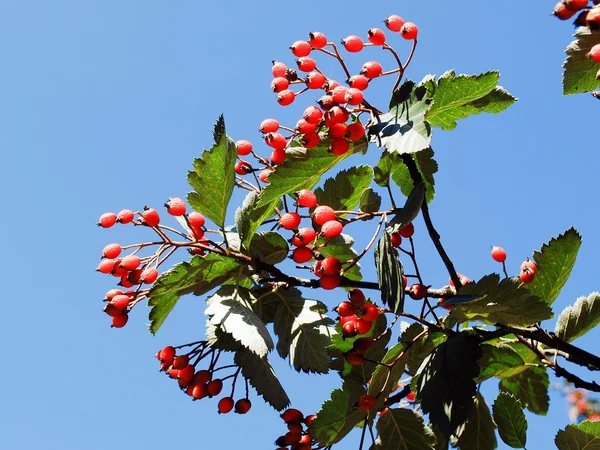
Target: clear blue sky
point(105, 104)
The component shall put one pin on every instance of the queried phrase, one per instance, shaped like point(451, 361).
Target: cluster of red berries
point(198, 384)
point(528, 267)
point(135, 271)
point(297, 438)
point(356, 314)
point(588, 17)
point(581, 407)
point(335, 120)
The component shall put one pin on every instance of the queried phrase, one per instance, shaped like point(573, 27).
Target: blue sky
point(104, 106)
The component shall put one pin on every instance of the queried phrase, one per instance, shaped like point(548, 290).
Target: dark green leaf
point(370, 201)
point(338, 416)
point(384, 379)
point(478, 432)
point(531, 388)
point(580, 318)
point(410, 210)
point(500, 301)
point(230, 309)
point(248, 218)
point(555, 260)
point(302, 169)
point(221, 340)
point(421, 348)
point(498, 360)
point(343, 192)
point(427, 167)
point(445, 381)
point(213, 177)
point(404, 129)
point(580, 71)
point(340, 247)
point(262, 377)
point(457, 97)
point(269, 247)
point(583, 436)
point(403, 429)
point(511, 420)
point(389, 274)
point(197, 276)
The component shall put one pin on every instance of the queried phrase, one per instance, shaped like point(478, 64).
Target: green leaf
point(531, 388)
point(445, 381)
point(418, 350)
point(302, 169)
point(338, 416)
point(343, 192)
point(578, 319)
point(403, 429)
point(341, 248)
point(197, 276)
point(427, 167)
point(248, 217)
point(555, 260)
point(213, 177)
point(498, 360)
point(404, 129)
point(389, 274)
point(503, 301)
point(302, 330)
point(262, 377)
point(478, 432)
point(583, 436)
point(511, 420)
point(580, 71)
point(269, 247)
point(410, 210)
point(370, 201)
point(457, 97)
point(384, 379)
point(230, 309)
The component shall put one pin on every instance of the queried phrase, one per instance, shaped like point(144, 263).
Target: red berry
point(349, 329)
point(357, 297)
point(355, 131)
point(243, 168)
point(111, 310)
point(354, 96)
point(196, 220)
point(301, 48)
point(125, 216)
point(576, 5)
point(244, 147)
point(330, 85)
point(338, 94)
point(529, 265)
point(594, 53)
point(340, 147)
point(366, 402)
point(323, 214)
point(442, 303)
point(242, 406)
point(394, 23)
point(306, 198)
point(409, 31)
point(417, 291)
point(276, 141)
point(120, 301)
point(376, 36)
point(498, 254)
point(151, 217)
point(355, 358)
point(371, 69)
point(176, 207)
point(363, 326)
point(303, 127)
point(266, 126)
point(181, 362)
point(463, 280)
point(111, 251)
point(187, 373)
point(369, 312)
point(290, 220)
point(107, 220)
point(353, 44)
point(278, 69)
point(330, 266)
point(362, 345)
point(130, 262)
point(167, 354)
point(119, 321)
point(264, 175)
point(225, 405)
point(202, 377)
point(149, 275)
point(331, 229)
point(307, 64)
point(337, 131)
point(562, 12)
point(527, 276)
point(199, 391)
point(315, 80)
point(336, 114)
point(312, 114)
point(302, 255)
point(407, 231)
point(317, 39)
point(303, 237)
point(214, 387)
point(292, 415)
point(410, 396)
point(308, 420)
point(345, 309)
point(112, 293)
point(311, 140)
point(329, 282)
point(359, 82)
point(286, 97)
point(396, 239)
point(279, 84)
point(326, 102)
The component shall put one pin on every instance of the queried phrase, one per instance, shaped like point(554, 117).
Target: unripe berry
point(407, 231)
point(353, 44)
point(311, 140)
point(417, 291)
point(323, 214)
point(329, 282)
point(312, 114)
point(317, 39)
point(242, 406)
point(125, 216)
point(394, 23)
point(371, 69)
point(376, 36)
point(355, 131)
point(358, 82)
point(225, 405)
point(594, 53)
point(315, 80)
point(366, 402)
point(175, 207)
point(243, 168)
point(286, 97)
point(303, 237)
point(196, 220)
point(302, 255)
point(278, 69)
point(119, 321)
point(363, 326)
point(107, 220)
point(244, 147)
point(345, 309)
point(369, 312)
point(498, 254)
point(396, 240)
point(306, 64)
point(331, 229)
point(279, 84)
point(111, 251)
point(290, 220)
point(409, 31)
point(340, 147)
point(151, 217)
point(357, 297)
point(301, 48)
point(266, 126)
point(306, 198)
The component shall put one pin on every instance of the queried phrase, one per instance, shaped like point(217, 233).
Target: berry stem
point(355, 260)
